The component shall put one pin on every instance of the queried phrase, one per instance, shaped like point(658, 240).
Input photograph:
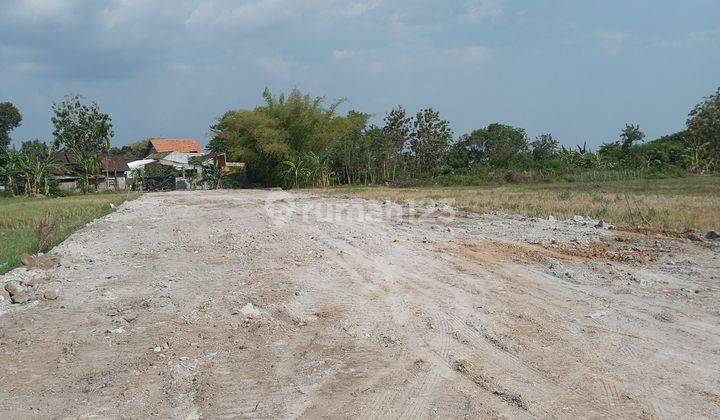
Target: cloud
point(468, 54)
point(180, 67)
point(39, 10)
point(411, 61)
point(360, 8)
point(402, 25)
point(122, 14)
point(29, 67)
point(611, 40)
point(279, 68)
point(340, 55)
point(249, 15)
point(693, 39)
point(481, 10)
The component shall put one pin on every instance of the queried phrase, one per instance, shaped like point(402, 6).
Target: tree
point(28, 170)
point(544, 147)
point(132, 151)
point(10, 119)
point(497, 144)
point(81, 127)
point(429, 140)
point(87, 165)
point(34, 148)
point(704, 126)
point(10, 171)
point(84, 130)
point(396, 131)
point(295, 170)
point(351, 153)
point(630, 135)
point(319, 169)
point(258, 140)
point(287, 128)
point(211, 175)
point(218, 145)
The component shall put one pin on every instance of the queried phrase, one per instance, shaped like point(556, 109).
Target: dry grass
point(677, 205)
point(47, 232)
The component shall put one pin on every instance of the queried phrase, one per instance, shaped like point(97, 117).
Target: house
point(187, 147)
point(114, 167)
point(175, 159)
point(220, 160)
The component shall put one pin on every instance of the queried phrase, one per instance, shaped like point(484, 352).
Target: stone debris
point(694, 237)
point(250, 311)
point(712, 235)
point(596, 315)
point(51, 294)
point(18, 292)
point(584, 221)
point(40, 262)
point(14, 287)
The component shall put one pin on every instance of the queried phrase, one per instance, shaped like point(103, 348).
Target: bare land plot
point(269, 304)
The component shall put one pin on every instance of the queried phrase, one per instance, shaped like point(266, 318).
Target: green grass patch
point(20, 216)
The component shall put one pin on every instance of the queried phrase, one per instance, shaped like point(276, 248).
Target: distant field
point(677, 204)
point(20, 216)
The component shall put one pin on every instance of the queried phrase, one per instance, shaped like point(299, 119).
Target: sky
point(579, 69)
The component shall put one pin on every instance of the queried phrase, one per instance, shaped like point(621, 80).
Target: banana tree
point(10, 171)
point(296, 170)
point(106, 149)
point(212, 175)
point(87, 165)
point(44, 166)
point(319, 169)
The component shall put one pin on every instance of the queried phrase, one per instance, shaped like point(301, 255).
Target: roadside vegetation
point(31, 225)
point(675, 205)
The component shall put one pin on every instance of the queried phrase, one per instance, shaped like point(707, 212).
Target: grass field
point(677, 204)
point(19, 217)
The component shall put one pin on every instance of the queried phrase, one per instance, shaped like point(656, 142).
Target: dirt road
point(266, 304)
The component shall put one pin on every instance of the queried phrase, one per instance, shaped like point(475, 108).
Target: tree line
point(297, 140)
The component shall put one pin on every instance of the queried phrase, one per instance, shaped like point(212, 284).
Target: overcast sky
point(579, 69)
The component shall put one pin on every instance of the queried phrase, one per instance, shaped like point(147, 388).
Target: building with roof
point(115, 171)
point(187, 147)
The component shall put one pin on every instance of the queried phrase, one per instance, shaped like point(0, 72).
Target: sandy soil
point(360, 309)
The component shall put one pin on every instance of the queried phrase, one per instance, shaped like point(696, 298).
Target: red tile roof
point(176, 145)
